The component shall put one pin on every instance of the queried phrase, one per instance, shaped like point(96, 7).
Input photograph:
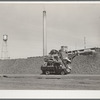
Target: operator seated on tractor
point(57, 62)
point(55, 57)
point(52, 57)
point(63, 53)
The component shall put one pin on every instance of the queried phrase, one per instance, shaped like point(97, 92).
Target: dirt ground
point(49, 82)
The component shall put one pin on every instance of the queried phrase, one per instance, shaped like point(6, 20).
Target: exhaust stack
point(44, 34)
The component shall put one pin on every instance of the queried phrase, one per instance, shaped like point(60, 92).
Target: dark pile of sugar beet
point(81, 64)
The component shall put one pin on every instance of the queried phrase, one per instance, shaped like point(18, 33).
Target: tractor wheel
point(62, 73)
point(47, 72)
point(43, 72)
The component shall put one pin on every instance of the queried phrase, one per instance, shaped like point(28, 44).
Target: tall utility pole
point(44, 34)
point(84, 42)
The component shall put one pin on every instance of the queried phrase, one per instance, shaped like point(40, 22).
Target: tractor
point(53, 64)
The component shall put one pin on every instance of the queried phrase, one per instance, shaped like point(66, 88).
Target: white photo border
point(50, 94)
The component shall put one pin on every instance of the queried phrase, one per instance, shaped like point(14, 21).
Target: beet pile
point(86, 64)
point(82, 64)
point(21, 66)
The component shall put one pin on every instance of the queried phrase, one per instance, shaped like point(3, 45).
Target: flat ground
point(50, 82)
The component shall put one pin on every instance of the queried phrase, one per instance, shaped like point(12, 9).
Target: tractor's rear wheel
point(62, 73)
point(43, 72)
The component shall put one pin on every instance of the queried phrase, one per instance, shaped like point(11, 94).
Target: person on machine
point(63, 53)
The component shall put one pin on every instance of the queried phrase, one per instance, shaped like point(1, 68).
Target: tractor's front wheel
point(47, 72)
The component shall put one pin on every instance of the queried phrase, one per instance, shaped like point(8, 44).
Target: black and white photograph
point(50, 46)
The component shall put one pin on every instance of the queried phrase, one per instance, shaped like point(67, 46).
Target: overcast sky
point(67, 24)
